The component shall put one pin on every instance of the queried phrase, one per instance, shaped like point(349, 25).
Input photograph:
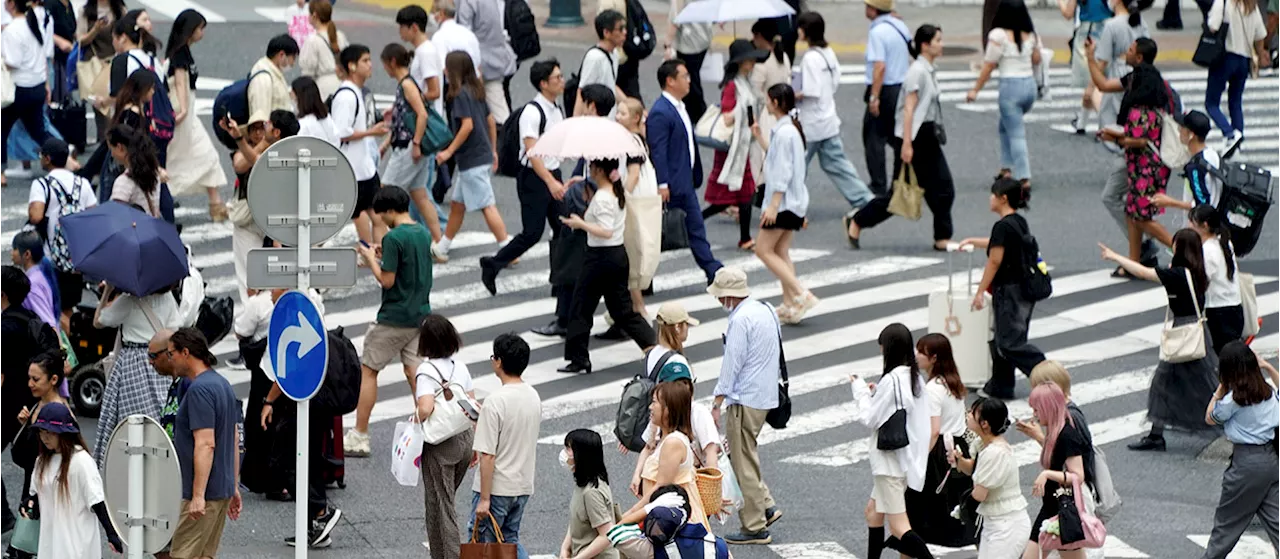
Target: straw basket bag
point(709, 480)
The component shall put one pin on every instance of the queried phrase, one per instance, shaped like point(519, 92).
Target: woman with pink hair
point(1068, 451)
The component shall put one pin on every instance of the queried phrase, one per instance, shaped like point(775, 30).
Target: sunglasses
point(153, 355)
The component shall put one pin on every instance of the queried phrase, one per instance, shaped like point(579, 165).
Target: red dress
point(719, 194)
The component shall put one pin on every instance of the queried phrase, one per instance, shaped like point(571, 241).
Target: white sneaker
point(440, 256)
point(356, 444)
point(1232, 143)
point(19, 173)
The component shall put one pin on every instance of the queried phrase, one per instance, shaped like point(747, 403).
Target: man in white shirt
point(348, 114)
point(600, 64)
point(485, 19)
point(452, 36)
point(45, 200)
point(538, 184)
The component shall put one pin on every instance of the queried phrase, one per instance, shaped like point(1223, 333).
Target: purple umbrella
point(134, 252)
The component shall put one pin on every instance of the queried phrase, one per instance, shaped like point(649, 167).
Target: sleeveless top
point(685, 478)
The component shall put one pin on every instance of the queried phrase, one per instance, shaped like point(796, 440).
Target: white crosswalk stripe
point(1261, 105)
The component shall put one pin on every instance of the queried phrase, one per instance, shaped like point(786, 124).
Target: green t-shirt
point(405, 251)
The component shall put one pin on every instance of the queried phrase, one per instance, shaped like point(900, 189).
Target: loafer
point(1148, 443)
point(575, 367)
point(489, 274)
point(771, 515)
point(553, 329)
point(747, 538)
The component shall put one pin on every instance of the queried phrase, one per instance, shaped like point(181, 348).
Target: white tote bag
point(1180, 344)
point(450, 416)
point(406, 452)
point(1249, 302)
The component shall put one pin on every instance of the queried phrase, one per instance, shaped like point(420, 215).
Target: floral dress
point(1147, 176)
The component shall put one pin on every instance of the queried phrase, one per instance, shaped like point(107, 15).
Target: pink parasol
point(587, 137)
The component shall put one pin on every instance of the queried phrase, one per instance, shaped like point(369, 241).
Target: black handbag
point(1070, 528)
point(892, 434)
point(779, 416)
point(757, 199)
point(674, 234)
point(1213, 44)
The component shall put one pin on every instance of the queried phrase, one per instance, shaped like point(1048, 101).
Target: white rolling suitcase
point(968, 330)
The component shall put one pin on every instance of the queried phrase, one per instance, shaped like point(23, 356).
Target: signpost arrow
point(302, 334)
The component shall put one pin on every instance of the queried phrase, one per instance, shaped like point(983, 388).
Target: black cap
point(1198, 123)
point(55, 149)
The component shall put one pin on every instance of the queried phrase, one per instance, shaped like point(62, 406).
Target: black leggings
point(744, 217)
point(28, 106)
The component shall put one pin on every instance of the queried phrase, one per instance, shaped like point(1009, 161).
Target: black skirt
point(930, 510)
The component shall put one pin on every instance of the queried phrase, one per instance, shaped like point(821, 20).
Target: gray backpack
point(633, 410)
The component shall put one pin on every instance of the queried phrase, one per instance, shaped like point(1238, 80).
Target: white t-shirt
point(320, 128)
point(348, 116)
point(819, 79)
point(253, 318)
point(25, 56)
point(949, 408)
point(77, 533)
point(1222, 292)
point(598, 67)
point(68, 181)
point(605, 211)
point(450, 371)
point(427, 63)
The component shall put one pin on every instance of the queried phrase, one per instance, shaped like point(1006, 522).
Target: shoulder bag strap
point(1191, 286)
point(782, 355)
point(151, 313)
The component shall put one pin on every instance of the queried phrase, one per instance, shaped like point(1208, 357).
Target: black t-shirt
point(16, 352)
point(1176, 286)
point(1074, 440)
point(182, 59)
point(1007, 233)
point(475, 150)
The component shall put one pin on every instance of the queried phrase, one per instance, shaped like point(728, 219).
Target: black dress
point(1074, 440)
point(1180, 391)
point(930, 510)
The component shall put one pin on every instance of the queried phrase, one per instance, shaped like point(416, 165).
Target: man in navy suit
point(676, 160)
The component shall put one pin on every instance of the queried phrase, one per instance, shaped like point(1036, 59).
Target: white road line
point(171, 9)
point(812, 550)
point(1250, 546)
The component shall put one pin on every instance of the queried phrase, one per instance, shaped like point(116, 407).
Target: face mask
point(564, 458)
point(726, 306)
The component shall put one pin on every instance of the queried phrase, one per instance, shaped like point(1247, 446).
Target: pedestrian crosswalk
point(1250, 547)
point(1261, 106)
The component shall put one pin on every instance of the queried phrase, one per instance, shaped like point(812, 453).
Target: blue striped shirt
point(752, 346)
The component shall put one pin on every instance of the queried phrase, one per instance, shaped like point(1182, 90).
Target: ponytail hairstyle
point(395, 52)
point(924, 35)
point(768, 29)
point(29, 241)
point(993, 412)
point(1135, 12)
point(785, 97)
point(24, 6)
point(608, 167)
point(1017, 193)
point(323, 10)
point(143, 167)
point(128, 27)
point(1208, 217)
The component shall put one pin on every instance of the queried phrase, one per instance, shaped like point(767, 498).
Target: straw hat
point(730, 282)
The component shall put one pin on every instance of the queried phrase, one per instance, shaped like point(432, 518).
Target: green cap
point(673, 371)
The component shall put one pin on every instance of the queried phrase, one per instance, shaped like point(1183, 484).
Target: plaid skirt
point(133, 387)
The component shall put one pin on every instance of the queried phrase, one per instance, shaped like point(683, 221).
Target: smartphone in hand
point(751, 116)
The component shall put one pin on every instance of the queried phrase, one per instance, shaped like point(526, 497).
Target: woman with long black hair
point(200, 168)
point(313, 112)
point(1177, 389)
point(605, 269)
point(24, 53)
point(901, 387)
point(139, 184)
point(591, 509)
point(1224, 315)
point(1013, 47)
point(1246, 407)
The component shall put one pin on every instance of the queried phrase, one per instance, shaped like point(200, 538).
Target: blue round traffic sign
point(298, 346)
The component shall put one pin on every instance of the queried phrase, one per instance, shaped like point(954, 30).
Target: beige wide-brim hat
point(882, 5)
point(674, 313)
point(730, 282)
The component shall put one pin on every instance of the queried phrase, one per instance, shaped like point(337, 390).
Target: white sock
point(504, 242)
point(444, 244)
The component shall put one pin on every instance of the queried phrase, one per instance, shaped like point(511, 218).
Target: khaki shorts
point(383, 343)
point(200, 537)
point(889, 494)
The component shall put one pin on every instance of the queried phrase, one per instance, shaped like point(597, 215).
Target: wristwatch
point(873, 98)
point(267, 402)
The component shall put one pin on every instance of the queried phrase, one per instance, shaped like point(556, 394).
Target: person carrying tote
point(1067, 450)
point(1177, 389)
point(1246, 36)
point(1246, 407)
point(930, 510)
point(900, 389)
point(995, 482)
point(732, 182)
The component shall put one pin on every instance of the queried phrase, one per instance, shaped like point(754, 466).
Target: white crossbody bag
point(1179, 344)
point(454, 413)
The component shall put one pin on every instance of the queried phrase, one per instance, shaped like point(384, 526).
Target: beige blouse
point(127, 191)
point(317, 61)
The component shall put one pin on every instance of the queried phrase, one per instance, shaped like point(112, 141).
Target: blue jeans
point(1017, 95)
point(1233, 69)
point(831, 157)
point(441, 211)
point(508, 512)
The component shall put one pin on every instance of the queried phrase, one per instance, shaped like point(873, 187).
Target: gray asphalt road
point(1103, 329)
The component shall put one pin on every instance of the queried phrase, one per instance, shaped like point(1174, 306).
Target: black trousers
point(317, 488)
point(1226, 325)
point(877, 131)
point(1011, 313)
point(1173, 11)
point(744, 217)
point(564, 304)
point(930, 167)
point(28, 106)
point(604, 274)
point(629, 78)
point(538, 209)
point(694, 102)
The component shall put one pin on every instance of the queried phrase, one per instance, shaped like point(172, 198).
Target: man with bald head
point(162, 362)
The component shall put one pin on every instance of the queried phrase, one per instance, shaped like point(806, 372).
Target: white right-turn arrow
point(302, 334)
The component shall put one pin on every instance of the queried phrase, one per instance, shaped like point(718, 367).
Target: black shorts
point(786, 221)
point(70, 288)
point(365, 190)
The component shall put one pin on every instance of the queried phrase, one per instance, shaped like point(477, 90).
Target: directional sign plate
point(273, 190)
point(277, 268)
point(162, 481)
point(298, 346)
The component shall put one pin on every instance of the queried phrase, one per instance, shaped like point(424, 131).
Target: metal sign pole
point(301, 516)
point(137, 492)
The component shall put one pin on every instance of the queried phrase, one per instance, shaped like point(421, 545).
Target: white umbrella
point(720, 11)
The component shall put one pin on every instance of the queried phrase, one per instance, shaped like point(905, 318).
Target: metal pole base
point(566, 13)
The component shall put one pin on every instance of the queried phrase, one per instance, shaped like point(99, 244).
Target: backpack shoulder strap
point(662, 361)
point(542, 117)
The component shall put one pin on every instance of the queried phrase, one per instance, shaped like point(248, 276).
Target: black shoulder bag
point(779, 416)
point(892, 434)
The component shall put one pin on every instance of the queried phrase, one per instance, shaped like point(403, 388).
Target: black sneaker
point(746, 538)
point(236, 361)
point(771, 515)
point(1148, 443)
point(323, 525)
point(316, 544)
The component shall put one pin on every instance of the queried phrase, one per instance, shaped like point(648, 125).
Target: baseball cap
point(663, 523)
point(1198, 123)
point(673, 371)
point(673, 313)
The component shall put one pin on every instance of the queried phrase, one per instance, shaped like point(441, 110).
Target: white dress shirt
point(452, 36)
point(688, 126)
point(24, 55)
point(529, 121)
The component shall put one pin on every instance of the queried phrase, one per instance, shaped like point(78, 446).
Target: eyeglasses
point(153, 355)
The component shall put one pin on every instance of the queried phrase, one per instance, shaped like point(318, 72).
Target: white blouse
point(1222, 292)
point(997, 470)
point(948, 408)
point(605, 211)
point(894, 391)
point(126, 313)
point(24, 55)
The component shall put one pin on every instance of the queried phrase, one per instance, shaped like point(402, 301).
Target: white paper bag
point(643, 239)
point(406, 452)
point(713, 67)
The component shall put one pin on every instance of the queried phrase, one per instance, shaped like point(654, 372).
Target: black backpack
point(1246, 198)
point(45, 338)
point(232, 101)
point(641, 39)
point(328, 103)
point(1036, 283)
point(522, 29)
point(571, 85)
point(633, 410)
point(341, 389)
point(510, 143)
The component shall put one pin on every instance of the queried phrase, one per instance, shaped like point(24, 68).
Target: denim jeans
point(508, 512)
point(1232, 70)
point(832, 159)
point(441, 211)
point(1017, 95)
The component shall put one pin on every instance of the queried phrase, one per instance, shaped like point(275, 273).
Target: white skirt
point(193, 160)
point(1004, 536)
